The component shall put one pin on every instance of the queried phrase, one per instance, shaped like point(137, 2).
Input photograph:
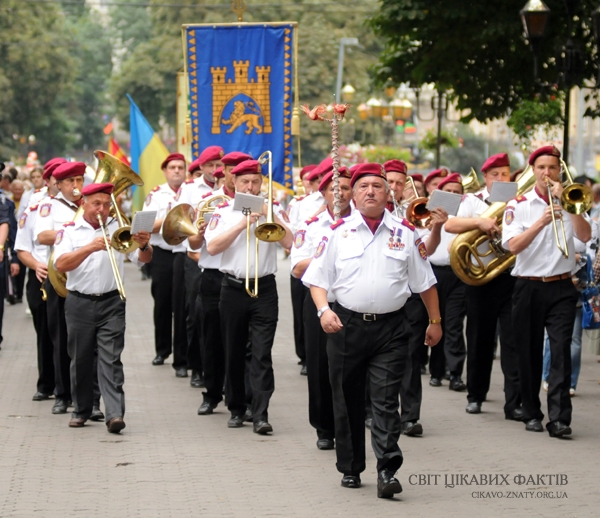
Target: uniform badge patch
point(45, 210)
point(321, 248)
point(299, 238)
point(23, 220)
point(214, 221)
point(148, 199)
point(509, 216)
point(422, 250)
point(59, 237)
point(284, 216)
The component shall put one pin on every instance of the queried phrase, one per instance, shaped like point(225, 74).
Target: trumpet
point(416, 211)
point(113, 259)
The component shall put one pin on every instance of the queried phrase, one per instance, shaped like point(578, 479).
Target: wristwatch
point(145, 248)
point(322, 310)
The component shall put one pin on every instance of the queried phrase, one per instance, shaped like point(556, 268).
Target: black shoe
point(196, 381)
point(206, 408)
point(60, 406)
point(325, 444)
point(387, 484)
point(115, 425)
point(435, 382)
point(351, 481)
point(40, 396)
point(262, 428)
point(423, 369)
point(236, 421)
point(514, 415)
point(97, 414)
point(369, 422)
point(158, 360)
point(534, 425)
point(457, 384)
point(248, 417)
point(558, 429)
point(474, 407)
point(412, 428)
point(181, 372)
point(303, 370)
point(447, 376)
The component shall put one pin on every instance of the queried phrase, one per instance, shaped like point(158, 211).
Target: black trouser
point(378, 348)
point(168, 291)
point(298, 291)
point(57, 327)
point(550, 305)
point(192, 275)
point(450, 352)
point(243, 318)
point(320, 401)
point(487, 306)
point(96, 340)
point(213, 351)
point(19, 280)
point(45, 351)
point(411, 390)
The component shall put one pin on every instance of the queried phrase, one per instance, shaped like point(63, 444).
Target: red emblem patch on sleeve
point(45, 210)
point(214, 221)
point(321, 247)
point(422, 250)
point(148, 199)
point(509, 216)
point(299, 238)
point(23, 220)
point(59, 237)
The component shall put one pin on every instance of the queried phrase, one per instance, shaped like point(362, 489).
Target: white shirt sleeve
point(512, 223)
point(321, 270)
point(420, 274)
point(63, 243)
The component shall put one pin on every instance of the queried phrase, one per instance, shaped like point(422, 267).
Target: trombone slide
point(113, 260)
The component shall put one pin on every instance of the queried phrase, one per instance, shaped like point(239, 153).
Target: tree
point(475, 51)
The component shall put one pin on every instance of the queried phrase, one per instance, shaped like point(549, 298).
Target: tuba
point(110, 170)
point(471, 182)
point(477, 258)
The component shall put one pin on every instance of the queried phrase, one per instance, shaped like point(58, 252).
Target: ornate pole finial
point(239, 8)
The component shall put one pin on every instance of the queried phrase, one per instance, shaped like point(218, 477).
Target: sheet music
point(445, 200)
point(143, 221)
point(248, 201)
point(503, 191)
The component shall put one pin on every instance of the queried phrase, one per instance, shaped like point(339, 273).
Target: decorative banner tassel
point(296, 122)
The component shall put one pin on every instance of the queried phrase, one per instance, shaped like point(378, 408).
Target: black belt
point(367, 317)
point(234, 282)
point(552, 278)
point(443, 267)
point(102, 296)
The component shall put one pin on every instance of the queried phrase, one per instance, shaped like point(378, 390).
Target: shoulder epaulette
point(338, 223)
point(190, 180)
point(300, 198)
point(520, 198)
point(275, 202)
point(311, 220)
point(51, 196)
point(69, 224)
point(207, 194)
point(224, 204)
point(408, 224)
point(34, 207)
point(37, 190)
point(156, 188)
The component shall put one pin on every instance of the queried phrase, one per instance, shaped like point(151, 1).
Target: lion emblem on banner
point(244, 113)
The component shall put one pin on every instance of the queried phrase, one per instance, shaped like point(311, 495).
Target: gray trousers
point(91, 324)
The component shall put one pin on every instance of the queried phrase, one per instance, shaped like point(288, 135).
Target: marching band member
point(94, 312)
point(53, 213)
point(367, 327)
point(219, 177)
point(417, 179)
point(230, 160)
point(488, 304)
point(306, 239)
point(242, 316)
point(168, 282)
point(434, 178)
point(450, 354)
point(396, 178)
point(314, 201)
point(544, 294)
point(191, 192)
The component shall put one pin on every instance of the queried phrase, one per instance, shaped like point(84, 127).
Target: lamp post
point(344, 42)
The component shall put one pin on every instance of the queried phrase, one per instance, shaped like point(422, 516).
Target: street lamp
point(344, 42)
point(535, 16)
point(348, 93)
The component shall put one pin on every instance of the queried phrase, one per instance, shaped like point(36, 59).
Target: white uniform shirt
point(473, 205)
point(34, 196)
point(26, 240)
point(162, 200)
point(305, 209)
point(233, 259)
point(541, 258)
point(192, 191)
point(371, 273)
point(53, 213)
point(206, 260)
point(94, 276)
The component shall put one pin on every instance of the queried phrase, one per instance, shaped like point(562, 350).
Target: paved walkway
point(170, 462)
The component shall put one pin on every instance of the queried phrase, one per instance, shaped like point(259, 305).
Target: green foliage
point(474, 50)
point(382, 154)
point(429, 140)
point(543, 114)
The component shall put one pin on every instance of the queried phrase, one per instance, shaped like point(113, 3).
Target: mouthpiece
point(76, 192)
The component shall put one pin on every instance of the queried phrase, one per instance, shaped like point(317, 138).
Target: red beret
point(218, 172)
point(323, 168)
point(329, 176)
point(417, 177)
point(395, 166)
point(93, 188)
point(499, 160)
point(307, 169)
point(172, 156)
point(247, 167)
point(452, 178)
point(69, 170)
point(441, 173)
point(368, 169)
point(546, 150)
point(235, 157)
point(51, 165)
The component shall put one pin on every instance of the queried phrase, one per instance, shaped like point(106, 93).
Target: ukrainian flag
point(147, 153)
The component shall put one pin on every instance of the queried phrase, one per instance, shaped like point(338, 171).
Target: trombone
point(576, 199)
point(416, 210)
point(113, 259)
point(269, 231)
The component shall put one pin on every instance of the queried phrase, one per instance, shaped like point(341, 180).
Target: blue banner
point(240, 84)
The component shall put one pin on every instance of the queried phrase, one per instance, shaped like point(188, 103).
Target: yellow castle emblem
point(248, 113)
